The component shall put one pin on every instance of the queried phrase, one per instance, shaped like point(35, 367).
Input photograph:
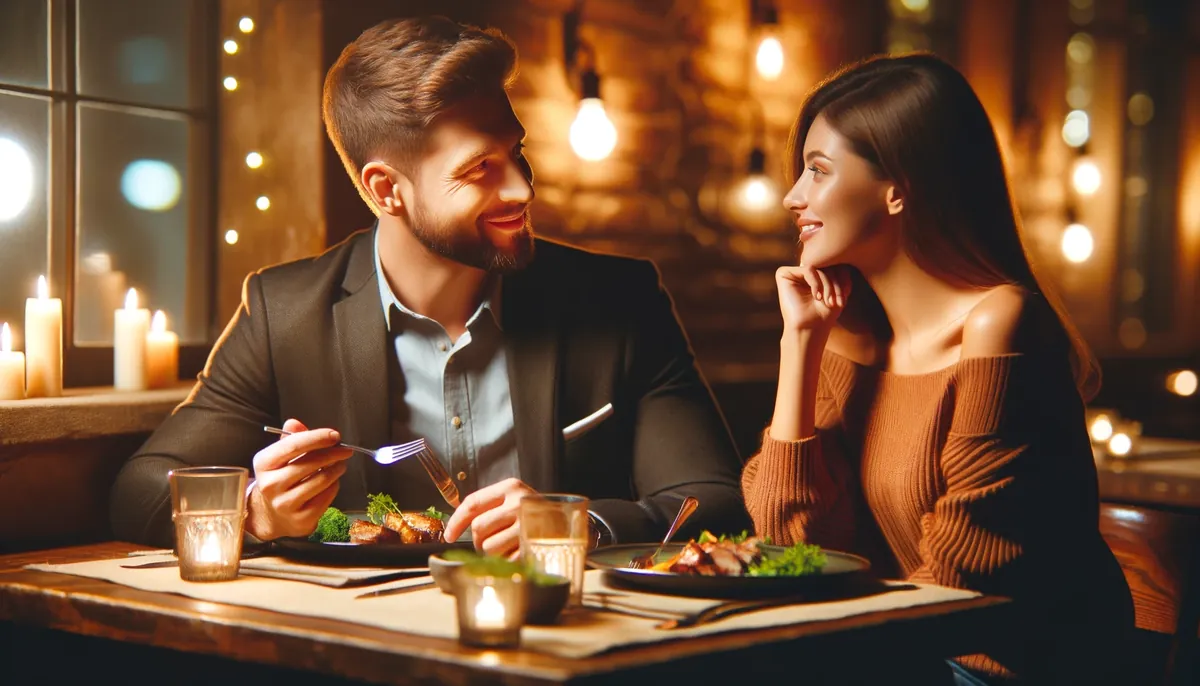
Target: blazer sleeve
point(681, 444)
point(220, 423)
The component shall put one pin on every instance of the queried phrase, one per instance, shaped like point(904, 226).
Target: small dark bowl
point(543, 603)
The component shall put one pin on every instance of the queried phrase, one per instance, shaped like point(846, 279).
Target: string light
point(263, 203)
point(768, 58)
point(245, 24)
point(254, 160)
point(1183, 383)
point(1077, 243)
point(1086, 176)
point(231, 236)
point(231, 47)
point(230, 83)
point(1101, 429)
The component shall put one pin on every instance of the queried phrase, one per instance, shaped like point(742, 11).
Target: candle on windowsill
point(43, 344)
point(12, 367)
point(130, 327)
point(162, 353)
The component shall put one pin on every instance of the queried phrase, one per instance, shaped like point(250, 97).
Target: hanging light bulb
point(592, 135)
point(1086, 176)
point(768, 59)
point(756, 193)
point(1077, 243)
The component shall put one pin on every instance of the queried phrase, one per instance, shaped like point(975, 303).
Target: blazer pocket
point(588, 423)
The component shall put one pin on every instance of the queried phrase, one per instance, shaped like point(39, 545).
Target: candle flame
point(131, 299)
point(158, 323)
point(5, 339)
point(210, 549)
point(489, 611)
point(43, 290)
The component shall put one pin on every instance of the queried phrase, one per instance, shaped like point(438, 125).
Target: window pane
point(136, 51)
point(24, 43)
point(24, 206)
point(135, 221)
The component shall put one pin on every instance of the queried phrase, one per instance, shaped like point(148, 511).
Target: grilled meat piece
point(429, 528)
point(395, 522)
point(365, 533)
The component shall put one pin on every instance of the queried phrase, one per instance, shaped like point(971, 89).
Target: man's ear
point(382, 184)
point(895, 203)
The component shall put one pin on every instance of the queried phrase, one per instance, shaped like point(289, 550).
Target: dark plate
point(840, 569)
point(372, 555)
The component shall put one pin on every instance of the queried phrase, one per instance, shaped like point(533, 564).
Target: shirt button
point(462, 476)
point(442, 347)
point(457, 422)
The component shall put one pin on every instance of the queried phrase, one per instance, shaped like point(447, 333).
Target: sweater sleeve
point(805, 490)
point(1006, 481)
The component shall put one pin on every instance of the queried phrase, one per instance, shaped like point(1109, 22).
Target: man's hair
point(398, 76)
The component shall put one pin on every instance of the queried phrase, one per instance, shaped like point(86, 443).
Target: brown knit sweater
point(977, 476)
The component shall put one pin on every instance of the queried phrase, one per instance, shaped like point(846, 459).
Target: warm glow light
point(1077, 243)
point(230, 83)
point(231, 236)
point(231, 47)
point(1120, 444)
point(769, 58)
point(16, 179)
point(915, 5)
point(151, 185)
point(254, 160)
point(245, 24)
point(1076, 129)
point(210, 549)
point(1086, 177)
point(131, 299)
point(158, 323)
point(1183, 383)
point(5, 338)
point(592, 135)
point(263, 202)
point(489, 611)
point(1101, 428)
point(756, 194)
point(43, 288)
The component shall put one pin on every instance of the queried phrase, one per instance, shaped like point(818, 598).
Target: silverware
point(685, 510)
point(727, 609)
point(396, 591)
point(388, 454)
point(437, 472)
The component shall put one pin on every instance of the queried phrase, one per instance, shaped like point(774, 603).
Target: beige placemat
point(282, 568)
point(432, 613)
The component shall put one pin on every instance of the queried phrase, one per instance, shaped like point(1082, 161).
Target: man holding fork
point(526, 365)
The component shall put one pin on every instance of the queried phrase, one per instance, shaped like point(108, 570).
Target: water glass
point(554, 537)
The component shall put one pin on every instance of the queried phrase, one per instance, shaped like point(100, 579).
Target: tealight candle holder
point(491, 609)
point(208, 508)
point(1124, 440)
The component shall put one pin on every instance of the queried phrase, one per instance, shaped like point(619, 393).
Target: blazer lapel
point(532, 344)
point(361, 337)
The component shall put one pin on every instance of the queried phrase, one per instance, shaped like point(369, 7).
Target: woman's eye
point(814, 170)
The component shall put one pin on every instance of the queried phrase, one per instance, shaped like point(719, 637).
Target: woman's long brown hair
point(917, 120)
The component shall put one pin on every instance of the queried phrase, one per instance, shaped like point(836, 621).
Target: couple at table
point(929, 412)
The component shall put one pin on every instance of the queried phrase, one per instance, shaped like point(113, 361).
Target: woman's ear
point(895, 203)
point(382, 185)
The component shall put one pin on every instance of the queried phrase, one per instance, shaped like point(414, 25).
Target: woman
point(930, 403)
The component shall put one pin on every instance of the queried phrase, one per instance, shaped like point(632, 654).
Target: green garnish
point(493, 565)
point(379, 505)
point(798, 560)
point(332, 527)
point(433, 512)
point(708, 537)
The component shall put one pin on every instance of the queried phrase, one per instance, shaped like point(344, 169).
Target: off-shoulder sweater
point(978, 476)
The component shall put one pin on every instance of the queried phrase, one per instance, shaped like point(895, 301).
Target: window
point(107, 116)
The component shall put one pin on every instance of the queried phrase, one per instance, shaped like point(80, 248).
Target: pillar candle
point(130, 327)
point(43, 344)
point(12, 368)
point(162, 353)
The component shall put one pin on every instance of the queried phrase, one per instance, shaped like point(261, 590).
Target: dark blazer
point(581, 330)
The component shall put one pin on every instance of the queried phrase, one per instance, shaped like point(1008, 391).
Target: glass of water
point(554, 537)
point(208, 505)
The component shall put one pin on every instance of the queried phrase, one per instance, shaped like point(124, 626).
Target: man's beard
point(468, 245)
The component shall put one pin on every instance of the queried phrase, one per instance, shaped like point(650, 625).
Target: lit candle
point(489, 611)
point(12, 368)
point(162, 353)
point(130, 327)
point(43, 343)
point(210, 549)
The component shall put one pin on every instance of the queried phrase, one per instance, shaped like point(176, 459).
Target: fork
point(437, 472)
point(388, 454)
point(685, 510)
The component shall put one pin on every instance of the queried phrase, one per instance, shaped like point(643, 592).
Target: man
point(450, 322)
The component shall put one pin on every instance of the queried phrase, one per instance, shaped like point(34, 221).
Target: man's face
point(472, 186)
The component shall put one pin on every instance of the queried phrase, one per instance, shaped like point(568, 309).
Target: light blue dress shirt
point(454, 394)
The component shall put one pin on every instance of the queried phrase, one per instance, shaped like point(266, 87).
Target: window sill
point(86, 413)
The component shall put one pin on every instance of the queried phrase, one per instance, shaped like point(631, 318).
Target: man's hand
point(295, 480)
point(491, 513)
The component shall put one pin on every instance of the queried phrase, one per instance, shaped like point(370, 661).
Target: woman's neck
point(921, 308)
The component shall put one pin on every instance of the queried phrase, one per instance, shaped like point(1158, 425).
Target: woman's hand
point(812, 299)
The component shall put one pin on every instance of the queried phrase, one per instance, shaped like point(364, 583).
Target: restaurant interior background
point(176, 146)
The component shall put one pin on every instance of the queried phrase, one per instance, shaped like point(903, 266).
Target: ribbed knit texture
point(977, 476)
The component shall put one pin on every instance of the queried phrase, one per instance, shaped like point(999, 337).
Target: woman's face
point(839, 204)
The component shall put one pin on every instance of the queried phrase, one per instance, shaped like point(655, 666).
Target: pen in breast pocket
point(587, 422)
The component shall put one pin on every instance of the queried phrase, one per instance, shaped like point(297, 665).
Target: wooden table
point(348, 651)
point(1165, 474)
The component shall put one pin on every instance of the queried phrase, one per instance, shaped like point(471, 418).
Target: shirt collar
point(491, 302)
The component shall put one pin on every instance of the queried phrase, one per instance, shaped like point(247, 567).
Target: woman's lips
point(807, 231)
